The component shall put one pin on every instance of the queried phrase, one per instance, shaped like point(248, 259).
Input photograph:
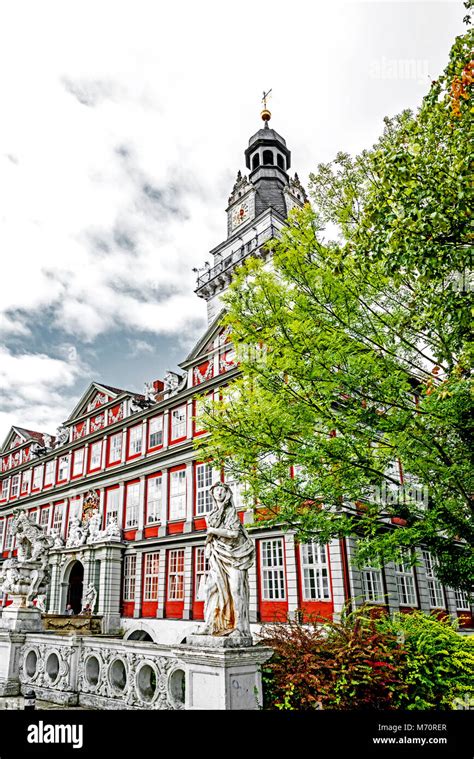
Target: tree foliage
point(356, 354)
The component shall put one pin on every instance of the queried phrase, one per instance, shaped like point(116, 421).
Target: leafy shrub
point(412, 661)
point(438, 667)
point(335, 665)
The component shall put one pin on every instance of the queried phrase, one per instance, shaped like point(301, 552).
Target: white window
point(34, 515)
point(435, 588)
point(154, 493)
point(112, 505)
point(176, 575)
point(115, 447)
point(49, 472)
point(96, 455)
point(203, 483)
point(78, 465)
point(129, 572)
point(155, 432)
point(462, 600)
point(315, 572)
point(178, 423)
point(132, 504)
point(372, 584)
point(37, 477)
point(58, 517)
point(201, 572)
point(5, 485)
point(405, 581)
point(201, 407)
point(15, 486)
point(26, 481)
point(63, 467)
point(178, 494)
point(2, 532)
point(44, 518)
point(273, 570)
point(8, 535)
point(135, 440)
point(150, 577)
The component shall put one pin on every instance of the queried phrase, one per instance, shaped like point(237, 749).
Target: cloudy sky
point(123, 126)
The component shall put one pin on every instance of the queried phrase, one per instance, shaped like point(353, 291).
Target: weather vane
point(265, 114)
point(264, 99)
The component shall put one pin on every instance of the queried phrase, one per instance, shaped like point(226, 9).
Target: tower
point(257, 208)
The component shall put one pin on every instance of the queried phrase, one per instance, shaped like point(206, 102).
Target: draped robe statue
point(231, 553)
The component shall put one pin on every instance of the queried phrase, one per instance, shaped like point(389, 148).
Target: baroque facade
point(123, 498)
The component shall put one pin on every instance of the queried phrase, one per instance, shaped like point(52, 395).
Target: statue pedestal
point(221, 673)
point(21, 619)
point(10, 647)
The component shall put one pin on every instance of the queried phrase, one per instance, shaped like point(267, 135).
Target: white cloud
point(36, 390)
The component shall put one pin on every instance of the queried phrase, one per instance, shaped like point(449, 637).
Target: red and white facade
point(139, 459)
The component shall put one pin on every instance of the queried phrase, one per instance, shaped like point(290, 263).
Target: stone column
point(109, 591)
point(164, 503)
point(188, 525)
point(160, 612)
point(141, 508)
point(253, 590)
point(10, 647)
point(137, 609)
point(291, 574)
point(188, 582)
point(337, 576)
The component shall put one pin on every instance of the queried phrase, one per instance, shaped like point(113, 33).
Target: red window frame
point(81, 474)
point(173, 440)
point(33, 488)
point(271, 610)
point(150, 607)
point(129, 532)
point(149, 447)
point(174, 608)
point(131, 456)
point(109, 461)
point(177, 523)
point(89, 457)
point(315, 608)
point(68, 468)
point(115, 489)
point(53, 481)
point(24, 490)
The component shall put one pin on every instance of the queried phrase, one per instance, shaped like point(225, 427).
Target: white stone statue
point(47, 440)
point(77, 534)
point(56, 536)
point(94, 527)
point(113, 530)
point(27, 575)
point(41, 602)
point(91, 597)
point(231, 553)
point(150, 392)
point(62, 436)
point(31, 541)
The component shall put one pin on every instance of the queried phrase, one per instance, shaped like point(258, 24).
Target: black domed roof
point(266, 134)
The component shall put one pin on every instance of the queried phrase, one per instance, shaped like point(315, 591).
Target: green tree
point(355, 354)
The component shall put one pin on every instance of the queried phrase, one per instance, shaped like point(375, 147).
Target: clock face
point(240, 214)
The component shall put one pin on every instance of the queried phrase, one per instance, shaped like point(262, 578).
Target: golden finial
point(265, 114)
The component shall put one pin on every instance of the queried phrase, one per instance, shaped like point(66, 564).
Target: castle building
point(124, 498)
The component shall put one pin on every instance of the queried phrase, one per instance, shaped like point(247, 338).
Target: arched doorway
point(74, 590)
